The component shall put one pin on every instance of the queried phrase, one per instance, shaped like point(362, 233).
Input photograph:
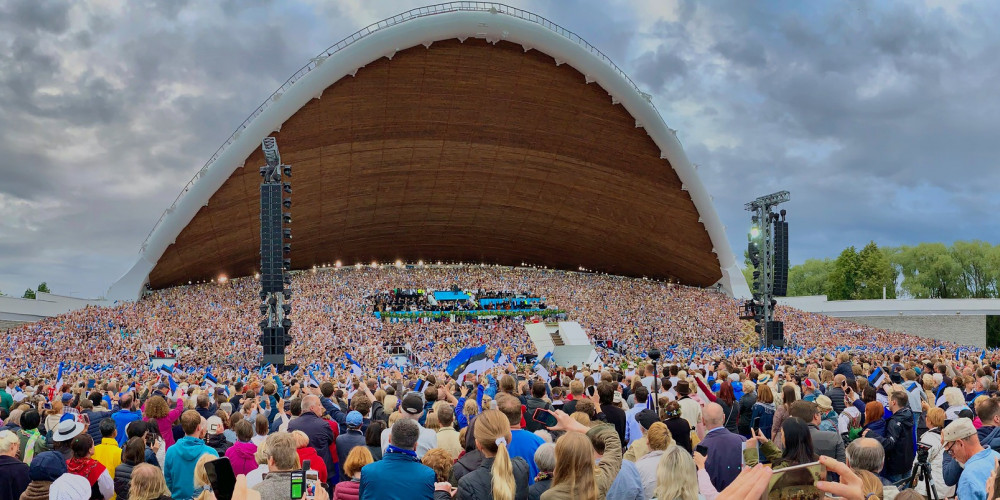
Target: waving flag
point(210, 381)
point(464, 358)
point(167, 371)
point(542, 367)
point(877, 378)
point(313, 381)
point(500, 359)
point(355, 366)
point(59, 377)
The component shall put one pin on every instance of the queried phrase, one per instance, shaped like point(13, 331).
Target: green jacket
point(770, 451)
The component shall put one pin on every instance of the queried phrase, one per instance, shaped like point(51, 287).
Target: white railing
point(409, 15)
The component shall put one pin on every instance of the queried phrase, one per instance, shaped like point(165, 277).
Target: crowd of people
point(86, 416)
point(216, 324)
point(716, 428)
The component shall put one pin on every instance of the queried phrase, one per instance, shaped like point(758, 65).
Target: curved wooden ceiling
point(468, 152)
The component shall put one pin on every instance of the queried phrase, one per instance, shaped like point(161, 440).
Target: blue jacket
point(398, 476)
point(766, 413)
point(952, 471)
point(725, 458)
point(179, 467)
point(320, 438)
point(122, 418)
point(94, 429)
point(335, 412)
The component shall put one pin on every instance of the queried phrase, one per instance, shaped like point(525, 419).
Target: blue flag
point(355, 366)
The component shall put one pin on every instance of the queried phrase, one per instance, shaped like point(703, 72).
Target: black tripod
point(921, 471)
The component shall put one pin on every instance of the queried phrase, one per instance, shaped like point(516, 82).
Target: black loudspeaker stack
point(780, 288)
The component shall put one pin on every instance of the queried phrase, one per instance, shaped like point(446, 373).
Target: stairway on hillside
point(557, 339)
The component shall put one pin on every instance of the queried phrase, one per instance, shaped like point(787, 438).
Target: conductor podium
point(566, 340)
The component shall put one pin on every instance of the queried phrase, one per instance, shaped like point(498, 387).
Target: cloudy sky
point(881, 118)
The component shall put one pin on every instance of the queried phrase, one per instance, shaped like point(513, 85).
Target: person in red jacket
point(306, 452)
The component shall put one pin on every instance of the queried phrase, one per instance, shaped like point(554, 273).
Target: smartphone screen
point(312, 480)
point(756, 423)
point(544, 417)
point(702, 449)
point(298, 484)
point(797, 482)
point(221, 477)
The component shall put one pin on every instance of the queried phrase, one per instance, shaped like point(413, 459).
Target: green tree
point(978, 268)
point(841, 283)
point(28, 294)
point(43, 287)
point(874, 273)
point(809, 278)
point(930, 271)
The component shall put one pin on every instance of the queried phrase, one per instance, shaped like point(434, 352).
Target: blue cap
point(67, 416)
point(47, 466)
point(354, 419)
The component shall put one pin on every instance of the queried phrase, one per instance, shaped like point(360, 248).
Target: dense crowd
point(85, 416)
point(216, 324)
point(716, 428)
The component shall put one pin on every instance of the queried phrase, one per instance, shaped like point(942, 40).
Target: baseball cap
point(646, 418)
point(412, 403)
point(959, 429)
point(67, 397)
point(354, 419)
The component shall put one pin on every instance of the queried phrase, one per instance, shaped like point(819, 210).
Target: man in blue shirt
point(127, 414)
point(399, 475)
point(523, 443)
point(632, 430)
point(962, 442)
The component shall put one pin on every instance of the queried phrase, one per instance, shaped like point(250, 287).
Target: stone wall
point(968, 330)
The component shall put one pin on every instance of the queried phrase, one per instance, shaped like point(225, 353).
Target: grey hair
point(545, 457)
point(866, 454)
point(309, 402)
point(544, 434)
point(405, 433)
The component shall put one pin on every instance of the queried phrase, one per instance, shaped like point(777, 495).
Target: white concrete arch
point(423, 26)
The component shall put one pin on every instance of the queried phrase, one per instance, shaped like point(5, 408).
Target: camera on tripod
point(922, 452)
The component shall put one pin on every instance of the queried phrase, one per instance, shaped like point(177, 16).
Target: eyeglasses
point(948, 447)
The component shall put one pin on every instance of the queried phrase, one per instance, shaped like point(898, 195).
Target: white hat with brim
point(66, 430)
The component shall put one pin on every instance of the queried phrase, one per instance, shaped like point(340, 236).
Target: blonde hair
point(659, 437)
point(870, 484)
point(301, 439)
point(356, 459)
point(581, 417)
point(491, 426)
point(262, 454)
point(470, 409)
point(673, 475)
point(935, 417)
point(147, 483)
point(394, 417)
point(201, 476)
point(431, 422)
point(389, 404)
point(575, 465)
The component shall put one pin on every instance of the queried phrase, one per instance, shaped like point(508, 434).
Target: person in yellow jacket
point(108, 453)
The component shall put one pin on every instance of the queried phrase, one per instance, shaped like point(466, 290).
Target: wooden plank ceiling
point(467, 152)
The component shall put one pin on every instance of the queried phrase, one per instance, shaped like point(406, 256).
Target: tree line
point(964, 269)
point(43, 287)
